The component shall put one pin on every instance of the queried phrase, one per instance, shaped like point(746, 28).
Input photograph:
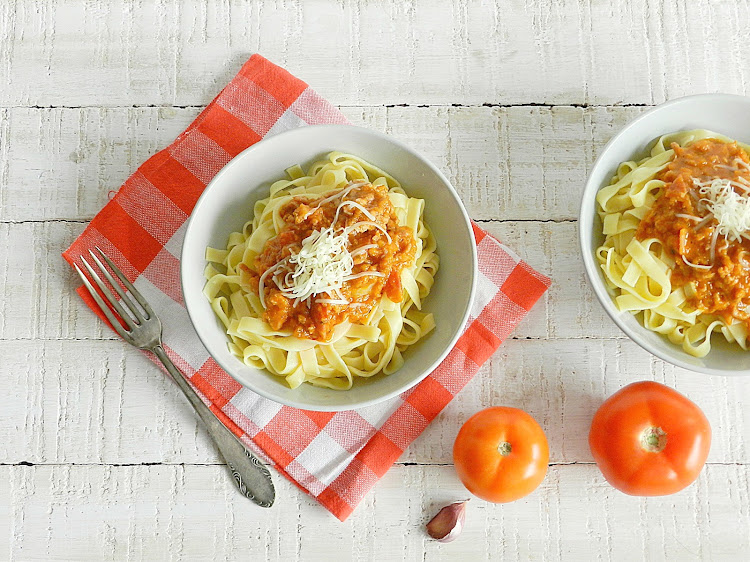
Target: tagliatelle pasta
point(677, 248)
point(326, 282)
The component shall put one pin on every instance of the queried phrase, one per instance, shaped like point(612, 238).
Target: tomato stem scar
point(504, 448)
point(653, 439)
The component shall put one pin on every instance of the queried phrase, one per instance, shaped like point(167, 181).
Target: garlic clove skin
point(448, 523)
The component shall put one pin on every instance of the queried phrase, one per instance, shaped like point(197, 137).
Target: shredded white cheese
point(340, 195)
point(695, 265)
point(688, 217)
point(730, 209)
point(324, 263)
point(727, 201)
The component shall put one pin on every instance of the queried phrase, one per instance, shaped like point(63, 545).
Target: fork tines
point(136, 317)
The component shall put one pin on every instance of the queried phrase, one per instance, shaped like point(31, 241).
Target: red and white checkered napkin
point(336, 457)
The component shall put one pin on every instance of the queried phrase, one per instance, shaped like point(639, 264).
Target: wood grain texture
point(43, 303)
point(100, 459)
point(45, 306)
point(101, 402)
point(177, 52)
point(516, 163)
point(189, 513)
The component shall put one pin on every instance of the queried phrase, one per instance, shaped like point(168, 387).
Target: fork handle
point(252, 478)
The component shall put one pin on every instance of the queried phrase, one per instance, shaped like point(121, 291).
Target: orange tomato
point(649, 440)
point(501, 454)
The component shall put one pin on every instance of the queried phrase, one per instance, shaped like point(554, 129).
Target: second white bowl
point(721, 113)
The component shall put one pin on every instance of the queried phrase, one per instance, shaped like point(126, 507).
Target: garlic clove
point(448, 522)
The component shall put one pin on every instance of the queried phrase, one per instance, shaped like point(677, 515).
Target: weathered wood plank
point(102, 402)
point(563, 382)
point(193, 513)
point(78, 401)
point(44, 303)
point(517, 163)
point(93, 402)
point(39, 286)
point(569, 308)
point(372, 52)
point(63, 163)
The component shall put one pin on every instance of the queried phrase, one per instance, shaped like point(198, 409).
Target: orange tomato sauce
point(318, 320)
point(724, 289)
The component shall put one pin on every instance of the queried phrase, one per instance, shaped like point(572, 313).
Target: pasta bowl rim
point(629, 143)
point(279, 144)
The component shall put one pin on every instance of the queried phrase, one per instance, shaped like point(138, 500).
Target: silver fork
point(143, 330)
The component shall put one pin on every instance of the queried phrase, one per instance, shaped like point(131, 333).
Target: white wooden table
point(100, 456)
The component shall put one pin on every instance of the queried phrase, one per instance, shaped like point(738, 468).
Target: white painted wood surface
point(99, 456)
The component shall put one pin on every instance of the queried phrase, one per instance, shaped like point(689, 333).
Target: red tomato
point(501, 454)
point(649, 440)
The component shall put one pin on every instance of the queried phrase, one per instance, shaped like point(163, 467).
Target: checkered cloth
point(335, 457)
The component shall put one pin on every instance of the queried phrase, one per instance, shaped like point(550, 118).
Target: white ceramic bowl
point(227, 203)
point(721, 113)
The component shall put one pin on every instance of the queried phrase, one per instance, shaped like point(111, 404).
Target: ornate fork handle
point(248, 475)
point(231, 449)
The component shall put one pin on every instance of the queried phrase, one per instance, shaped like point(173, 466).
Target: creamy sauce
point(302, 216)
point(722, 285)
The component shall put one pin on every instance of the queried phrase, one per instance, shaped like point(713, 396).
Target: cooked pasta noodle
point(663, 263)
point(257, 285)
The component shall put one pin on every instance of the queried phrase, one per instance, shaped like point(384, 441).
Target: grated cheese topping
point(324, 262)
point(727, 201)
point(729, 207)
